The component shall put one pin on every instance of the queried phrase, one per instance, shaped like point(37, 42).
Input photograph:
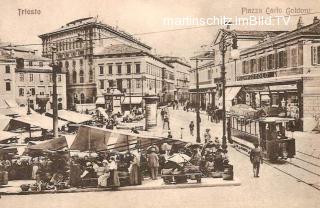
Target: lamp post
point(142, 93)
point(197, 104)
point(54, 94)
point(223, 46)
point(28, 103)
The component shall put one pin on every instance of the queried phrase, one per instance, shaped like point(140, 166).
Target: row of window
point(41, 77)
point(315, 55)
point(281, 59)
point(81, 76)
point(154, 70)
point(20, 63)
point(119, 69)
point(132, 83)
point(74, 63)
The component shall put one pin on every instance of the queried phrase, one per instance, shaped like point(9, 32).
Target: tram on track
point(246, 129)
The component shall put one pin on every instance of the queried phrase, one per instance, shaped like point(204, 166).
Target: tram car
point(246, 129)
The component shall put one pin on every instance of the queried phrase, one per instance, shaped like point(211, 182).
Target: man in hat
point(153, 162)
point(256, 158)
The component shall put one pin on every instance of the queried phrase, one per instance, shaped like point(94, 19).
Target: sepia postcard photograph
point(159, 103)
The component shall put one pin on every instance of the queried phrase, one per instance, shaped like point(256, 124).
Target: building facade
point(209, 66)
point(275, 69)
point(181, 75)
point(77, 43)
point(283, 71)
point(7, 80)
point(31, 78)
point(133, 72)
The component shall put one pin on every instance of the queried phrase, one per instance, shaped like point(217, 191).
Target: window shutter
point(300, 54)
point(276, 61)
point(312, 55)
point(288, 56)
point(284, 58)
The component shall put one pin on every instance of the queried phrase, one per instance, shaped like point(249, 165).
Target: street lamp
point(28, 102)
point(54, 93)
point(197, 58)
point(223, 46)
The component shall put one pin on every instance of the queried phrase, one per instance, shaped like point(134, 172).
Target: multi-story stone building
point(283, 71)
point(209, 66)
point(7, 80)
point(77, 43)
point(181, 75)
point(134, 72)
point(279, 70)
point(31, 79)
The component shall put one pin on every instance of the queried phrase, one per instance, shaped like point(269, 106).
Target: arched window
point(90, 76)
point(74, 77)
point(81, 74)
point(68, 76)
point(59, 106)
point(82, 98)
point(66, 64)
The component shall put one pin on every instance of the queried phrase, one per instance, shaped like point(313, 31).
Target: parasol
point(149, 149)
point(179, 158)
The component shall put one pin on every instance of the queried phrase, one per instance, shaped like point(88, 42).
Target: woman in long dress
point(105, 174)
point(134, 170)
point(114, 177)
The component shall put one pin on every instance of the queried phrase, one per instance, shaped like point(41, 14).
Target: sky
point(141, 16)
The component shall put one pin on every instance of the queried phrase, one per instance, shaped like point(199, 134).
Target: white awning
point(72, 116)
point(100, 101)
point(7, 135)
point(134, 100)
point(36, 119)
point(4, 121)
point(231, 93)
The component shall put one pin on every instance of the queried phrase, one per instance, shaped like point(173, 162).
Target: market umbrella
point(179, 158)
point(193, 146)
point(156, 148)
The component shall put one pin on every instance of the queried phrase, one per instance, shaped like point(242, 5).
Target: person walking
point(207, 136)
point(166, 121)
point(153, 162)
point(256, 159)
point(191, 127)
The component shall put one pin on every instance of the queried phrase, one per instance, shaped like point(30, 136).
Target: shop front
point(286, 97)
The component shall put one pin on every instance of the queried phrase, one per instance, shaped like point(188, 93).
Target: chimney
point(300, 23)
point(315, 19)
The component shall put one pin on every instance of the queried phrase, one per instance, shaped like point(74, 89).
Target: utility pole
point(223, 48)
point(54, 94)
point(142, 83)
point(197, 104)
point(130, 94)
point(223, 79)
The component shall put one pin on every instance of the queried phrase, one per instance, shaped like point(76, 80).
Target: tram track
point(309, 155)
point(302, 171)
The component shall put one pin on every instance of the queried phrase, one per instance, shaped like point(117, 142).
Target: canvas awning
point(97, 139)
point(72, 116)
point(53, 144)
point(20, 111)
point(134, 100)
point(4, 122)
point(4, 135)
point(231, 93)
point(36, 119)
point(100, 101)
